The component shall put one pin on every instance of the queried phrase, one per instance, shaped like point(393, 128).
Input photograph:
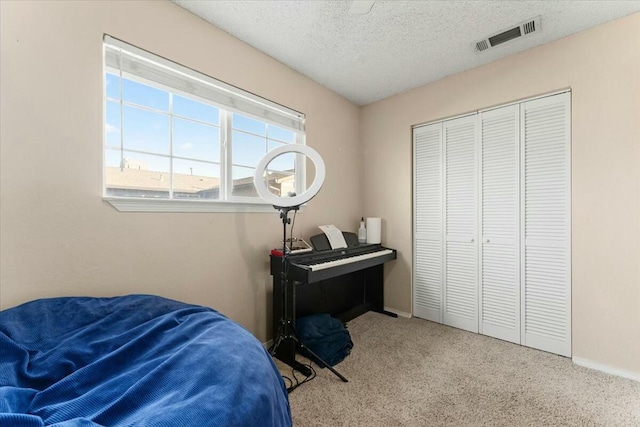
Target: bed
point(136, 360)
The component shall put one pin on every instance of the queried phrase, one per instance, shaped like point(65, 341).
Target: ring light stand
point(286, 329)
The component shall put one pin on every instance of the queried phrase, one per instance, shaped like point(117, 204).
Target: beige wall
point(57, 235)
point(602, 68)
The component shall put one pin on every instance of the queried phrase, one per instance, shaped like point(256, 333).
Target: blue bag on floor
point(325, 336)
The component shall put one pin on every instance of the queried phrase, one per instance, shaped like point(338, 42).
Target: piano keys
point(349, 260)
point(322, 265)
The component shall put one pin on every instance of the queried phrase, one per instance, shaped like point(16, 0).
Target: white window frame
point(228, 99)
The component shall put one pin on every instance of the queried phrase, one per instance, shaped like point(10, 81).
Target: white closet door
point(427, 273)
point(461, 282)
point(499, 219)
point(546, 215)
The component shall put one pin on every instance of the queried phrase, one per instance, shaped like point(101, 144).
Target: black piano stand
point(388, 313)
point(286, 334)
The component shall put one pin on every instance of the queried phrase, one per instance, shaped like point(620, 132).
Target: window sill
point(131, 204)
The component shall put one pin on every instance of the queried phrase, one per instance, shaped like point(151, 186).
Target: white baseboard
point(606, 369)
point(398, 312)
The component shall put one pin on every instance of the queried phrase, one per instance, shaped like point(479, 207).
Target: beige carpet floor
point(412, 372)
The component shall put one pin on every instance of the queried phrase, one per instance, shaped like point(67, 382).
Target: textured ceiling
point(399, 45)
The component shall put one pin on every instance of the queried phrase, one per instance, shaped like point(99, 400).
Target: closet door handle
point(487, 241)
point(473, 240)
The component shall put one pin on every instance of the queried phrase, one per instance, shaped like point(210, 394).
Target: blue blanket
point(326, 336)
point(138, 360)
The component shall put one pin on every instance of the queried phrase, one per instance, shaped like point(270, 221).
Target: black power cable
point(298, 382)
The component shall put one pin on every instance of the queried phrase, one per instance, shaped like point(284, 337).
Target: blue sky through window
point(143, 122)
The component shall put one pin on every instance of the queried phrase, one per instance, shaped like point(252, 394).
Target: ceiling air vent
point(523, 29)
point(482, 45)
point(529, 27)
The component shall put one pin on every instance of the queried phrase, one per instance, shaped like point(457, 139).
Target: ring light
point(287, 202)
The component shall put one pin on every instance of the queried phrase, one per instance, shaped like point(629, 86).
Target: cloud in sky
point(186, 146)
point(111, 128)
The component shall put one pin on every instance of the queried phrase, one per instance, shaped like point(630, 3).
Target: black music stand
point(286, 330)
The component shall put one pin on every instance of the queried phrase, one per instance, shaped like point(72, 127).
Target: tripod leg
point(322, 362)
point(291, 361)
point(274, 347)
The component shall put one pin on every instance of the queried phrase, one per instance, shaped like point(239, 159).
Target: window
point(178, 140)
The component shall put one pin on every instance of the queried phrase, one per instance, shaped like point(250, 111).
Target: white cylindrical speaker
point(374, 230)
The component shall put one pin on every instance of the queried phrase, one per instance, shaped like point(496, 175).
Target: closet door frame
point(531, 341)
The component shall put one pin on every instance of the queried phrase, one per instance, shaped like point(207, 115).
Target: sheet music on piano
point(334, 235)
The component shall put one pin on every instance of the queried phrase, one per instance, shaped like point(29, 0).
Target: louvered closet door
point(460, 283)
point(499, 219)
point(546, 249)
point(427, 273)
